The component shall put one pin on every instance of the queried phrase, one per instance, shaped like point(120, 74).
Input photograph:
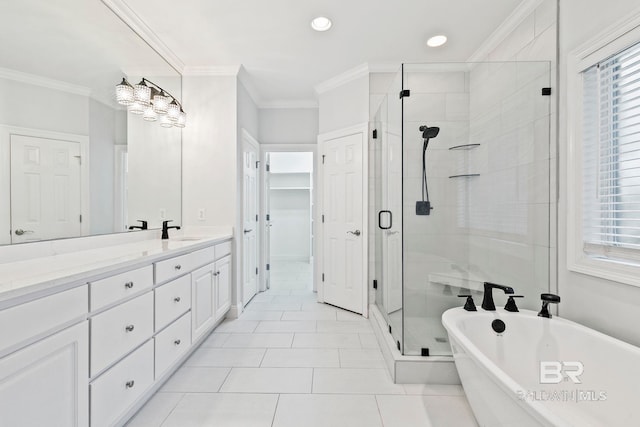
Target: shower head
point(429, 132)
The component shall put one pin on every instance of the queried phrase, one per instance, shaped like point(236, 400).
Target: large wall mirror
point(73, 162)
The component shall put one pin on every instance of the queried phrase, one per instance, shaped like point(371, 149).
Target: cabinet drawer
point(177, 266)
point(172, 343)
point(223, 249)
point(120, 329)
point(28, 320)
point(111, 289)
point(172, 300)
point(119, 388)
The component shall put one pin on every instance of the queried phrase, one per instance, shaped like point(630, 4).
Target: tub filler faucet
point(487, 300)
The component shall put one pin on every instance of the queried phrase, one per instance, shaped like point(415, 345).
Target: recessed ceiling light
point(436, 41)
point(321, 23)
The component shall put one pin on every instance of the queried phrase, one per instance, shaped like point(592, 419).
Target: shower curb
point(411, 369)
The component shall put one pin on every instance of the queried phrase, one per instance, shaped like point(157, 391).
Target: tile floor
point(291, 362)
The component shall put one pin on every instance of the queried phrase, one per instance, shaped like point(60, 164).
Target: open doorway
point(289, 228)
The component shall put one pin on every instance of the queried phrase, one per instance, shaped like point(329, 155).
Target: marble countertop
point(19, 279)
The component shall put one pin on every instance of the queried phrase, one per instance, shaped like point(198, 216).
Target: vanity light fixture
point(321, 23)
point(152, 102)
point(436, 41)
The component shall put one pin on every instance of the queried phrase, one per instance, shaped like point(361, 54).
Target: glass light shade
point(182, 120)
point(124, 93)
point(149, 115)
point(165, 122)
point(142, 93)
point(174, 111)
point(137, 108)
point(161, 103)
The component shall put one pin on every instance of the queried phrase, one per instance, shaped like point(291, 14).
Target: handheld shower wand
point(423, 207)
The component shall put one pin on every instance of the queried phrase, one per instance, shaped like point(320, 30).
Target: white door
point(45, 189)
point(268, 225)
point(250, 221)
point(344, 235)
point(392, 236)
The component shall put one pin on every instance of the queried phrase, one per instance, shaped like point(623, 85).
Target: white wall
point(209, 151)
point(102, 138)
point(604, 305)
point(344, 106)
point(288, 125)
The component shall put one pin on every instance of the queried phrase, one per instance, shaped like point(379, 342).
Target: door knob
point(20, 231)
point(355, 233)
point(248, 231)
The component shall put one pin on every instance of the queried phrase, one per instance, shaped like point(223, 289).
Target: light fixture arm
point(160, 89)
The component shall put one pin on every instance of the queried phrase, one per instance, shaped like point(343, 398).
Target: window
point(603, 155)
point(611, 156)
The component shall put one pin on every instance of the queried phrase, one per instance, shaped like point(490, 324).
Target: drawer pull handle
point(177, 299)
point(177, 342)
point(128, 285)
point(129, 328)
point(177, 267)
point(130, 384)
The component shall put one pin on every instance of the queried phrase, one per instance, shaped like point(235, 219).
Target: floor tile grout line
point(225, 380)
point(375, 396)
point(170, 412)
point(275, 411)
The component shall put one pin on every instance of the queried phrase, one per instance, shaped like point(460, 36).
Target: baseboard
point(411, 369)
point(233, 312)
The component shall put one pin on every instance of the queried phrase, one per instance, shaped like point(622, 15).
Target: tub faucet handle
point(546, 300)
point(511, 303)
point(469, 305)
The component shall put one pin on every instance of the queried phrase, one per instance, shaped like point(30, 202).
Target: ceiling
point(285, 59)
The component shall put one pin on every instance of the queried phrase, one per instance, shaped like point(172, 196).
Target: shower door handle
point(380, 220)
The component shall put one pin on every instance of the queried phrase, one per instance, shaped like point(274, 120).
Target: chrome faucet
point(487, 300)
point(165, 228)
point(141, 227)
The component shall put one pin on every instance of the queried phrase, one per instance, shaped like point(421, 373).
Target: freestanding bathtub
point(543, 372)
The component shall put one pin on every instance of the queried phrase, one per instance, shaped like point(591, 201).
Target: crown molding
point(341, 79)
point(289, 104)
point(48, 83)
point(524, 9)
point(245, 80)
point(138, 26)
point(206, 70)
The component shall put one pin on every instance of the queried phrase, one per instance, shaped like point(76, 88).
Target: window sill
point(625, 272)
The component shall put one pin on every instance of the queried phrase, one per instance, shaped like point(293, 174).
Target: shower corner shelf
point(464, 147)
point(467, 175)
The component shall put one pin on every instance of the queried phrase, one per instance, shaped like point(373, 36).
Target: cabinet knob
point(129, 328)
point(177, 342)
point(128, 285)
point(176, 299)
point(177, 267)
point(130, 384)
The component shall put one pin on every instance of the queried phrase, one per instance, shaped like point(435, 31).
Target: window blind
point(611, 149)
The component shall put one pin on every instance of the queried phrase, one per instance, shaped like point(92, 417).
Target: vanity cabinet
point(92, 353)
point(46, 383)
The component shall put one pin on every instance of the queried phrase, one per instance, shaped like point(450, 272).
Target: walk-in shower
point(472, 208)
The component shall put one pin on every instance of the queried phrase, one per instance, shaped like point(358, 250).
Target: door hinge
point(375, 134)
point(257, 163)
point(405, 92)
point(323, 277)
point(268, 167)
point(546, 91)
point(80, 217)
point(256, 270)
point(375, 284)
point(256, 217)
point(268, 217)
point(323, 218)
point(323, 156)
point(268, 267)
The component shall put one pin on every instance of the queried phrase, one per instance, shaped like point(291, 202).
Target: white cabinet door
point(202, 300)
point(223, 286)
point(47, 383)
